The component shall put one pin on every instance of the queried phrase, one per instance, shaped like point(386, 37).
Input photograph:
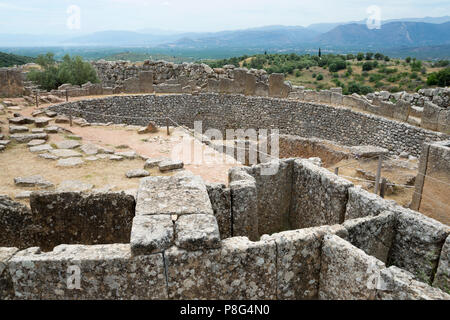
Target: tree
point(319, 77)
point(408, 59)
point(441, 78)
point(71, 70)
point(320, 53)
point(360, 56)
point(379, 56)
point(367, 66)
point(369, 56)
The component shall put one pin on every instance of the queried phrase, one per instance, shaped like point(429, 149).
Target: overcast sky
point(51, 16)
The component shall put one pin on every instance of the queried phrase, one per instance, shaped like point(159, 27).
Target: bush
point(354, 87)
point(360, 56)
point(367, 66)
point(369, 56)
point(319, 77)
point(71, 70)
point(441, 78)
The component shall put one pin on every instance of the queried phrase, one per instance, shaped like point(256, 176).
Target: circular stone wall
point(240, 112)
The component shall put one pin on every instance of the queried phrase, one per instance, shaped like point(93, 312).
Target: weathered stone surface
point(417, 243)
point(65, 153)
point(67, 144)
point(69, 162)
point(21, 120)
point(74, 185)
point(108, 272)
point(36, 142)
point(32, 181)
point(220, 198)
point(368, 151)
point(6, 285)
point(25, 138)
point(197, 232)
point(137, 173)
point(78, 218)
point(244, 204)
point(373, 235)
point(277, 87)
point(23, 195)
point(182, 193)
point(127, 154)
point(240, 270)
point(168, 165)
point(16, 224)
point(4, 143)
point(318, 198)
point(298, 261)
point(17, 129)
point(62, 119)
point(273, 183)
point(397, 284)
point(442, 276)
point(151, 163)
point(362, 203)
point(151, 234)
point(51, 129)
point(347, 273)
point(430, 116)
point(116, 158)
point(41, 148)
point(41, 122)
point(48, 156)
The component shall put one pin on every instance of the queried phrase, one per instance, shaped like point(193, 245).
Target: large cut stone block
point(146, 81)
point(347, 273)
point(244, 208)
point(6, 285)
point(373, 235)
point(220, 197)
point(239, 270)
point(78, 218)
point(197, 232)
point(397, 284)
point(182, 193)
point(104, 271)
point(318, 196)
point(277, 87)
point(298, 261)
point(442, 276)
point(417, 244)
point(430, 116)
point(151, 234)
point(362, 203)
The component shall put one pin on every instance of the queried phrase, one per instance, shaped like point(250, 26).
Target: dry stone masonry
point(187, 240)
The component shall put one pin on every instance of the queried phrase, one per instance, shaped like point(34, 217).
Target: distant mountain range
point(400, 34)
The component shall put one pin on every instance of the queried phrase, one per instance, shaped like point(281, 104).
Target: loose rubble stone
point(74, 185)
point(17, 129)
point(151, 163)
point(23, 195)
point(32, 181)
point(21, 120)
point(69, 162)
point(65, 153)
point(116, 158)
point(41, 122)
point(50, 114)
point(137, 173)
point(90, 149)
point(4, 143)
point(61, 119)
point(37, 130)
point(151, 234)
point(91, 158)
point(67, 144)
point(51, 129)
point(168, 165)
point(25, 138)
point(41, 148)
point(48, 156)
point(127, 154)
point(197, 232)
point(34, 143)
point(368, 151)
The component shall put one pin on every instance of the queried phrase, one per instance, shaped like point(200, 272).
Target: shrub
point(354, 87)
point(360, 56)
point(71, 70)
point(367, 66)
point(441, 78)
point(319, 77)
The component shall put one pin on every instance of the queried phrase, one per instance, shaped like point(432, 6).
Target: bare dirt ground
point(18, 161)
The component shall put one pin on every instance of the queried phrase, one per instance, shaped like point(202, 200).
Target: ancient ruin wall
point(223, 112)
point(11, 84)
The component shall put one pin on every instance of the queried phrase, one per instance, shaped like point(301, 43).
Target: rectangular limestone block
point(6, 285)
point(298, 261)
point(430, 116)
point(402, 110)
point(318, 198)
point(397, 284)
point(442, 276)
point(444, 121)
point(131, 85)
point(274, 188)
point(277, 87)
point(226, 85)
point(310, 95)
point(417, 244)
point(373, 235)
point(97, 218)
point(346, 272)
point(324, 96)
point(336, 98)
point(239, 270)
point(362, 203)
point(261, 89)
point(197, 232)
point(213, 85)
point(244, 208)
point(146, 81)
point(87, 272)
point(182, 193)
point(220, 198)
point(151, 234)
